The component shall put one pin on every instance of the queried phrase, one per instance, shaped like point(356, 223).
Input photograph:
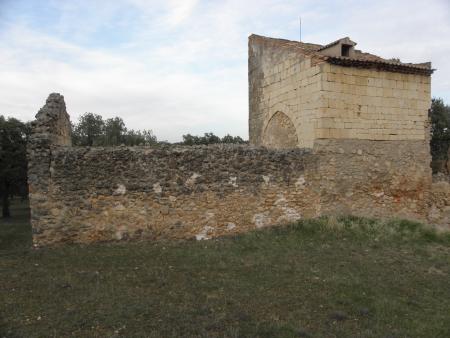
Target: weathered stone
point(298, 94)
point(200, 192)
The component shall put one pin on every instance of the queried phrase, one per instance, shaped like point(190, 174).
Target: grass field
point(345, 277)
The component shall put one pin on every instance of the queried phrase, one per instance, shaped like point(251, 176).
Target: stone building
point(302, 92)
point(356, 129)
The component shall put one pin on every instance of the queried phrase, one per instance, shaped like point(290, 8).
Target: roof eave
point(379, 65)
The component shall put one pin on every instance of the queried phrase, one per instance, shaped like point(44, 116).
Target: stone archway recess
point(280, 132)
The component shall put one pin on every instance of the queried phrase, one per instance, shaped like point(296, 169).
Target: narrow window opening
point(345, 50)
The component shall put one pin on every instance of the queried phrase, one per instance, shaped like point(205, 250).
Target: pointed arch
point(280, 132)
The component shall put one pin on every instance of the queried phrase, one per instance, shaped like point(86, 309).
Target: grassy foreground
point(346, 277)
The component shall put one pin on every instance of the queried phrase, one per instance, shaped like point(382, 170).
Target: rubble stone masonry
point(82, 194)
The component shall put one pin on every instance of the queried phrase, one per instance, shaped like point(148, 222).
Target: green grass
point(330, 277)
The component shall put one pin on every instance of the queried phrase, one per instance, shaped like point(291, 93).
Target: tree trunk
point(5, 203)
point(5, 209)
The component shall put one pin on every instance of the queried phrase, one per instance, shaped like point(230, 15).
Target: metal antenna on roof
point(300, 19)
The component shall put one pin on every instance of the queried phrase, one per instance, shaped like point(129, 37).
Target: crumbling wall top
point(51, 128)
point(52, 122)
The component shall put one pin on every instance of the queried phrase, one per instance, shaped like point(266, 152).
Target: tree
point(210, 138)
point(190, 140)
point(149, 137)
point(13, 161)
point(115, 131)
point(138, 138)
point(440, 133)
point(133, 138)
point(92, 130)
point(232, 139)
point(89, 130)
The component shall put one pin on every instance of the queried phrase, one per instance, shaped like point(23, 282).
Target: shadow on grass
point(15, 231)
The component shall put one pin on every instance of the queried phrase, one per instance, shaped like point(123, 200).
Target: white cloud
point(179, 10)
point(170, 103)
point(181, 66)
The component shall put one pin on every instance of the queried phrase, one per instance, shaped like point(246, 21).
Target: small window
point(345, 50)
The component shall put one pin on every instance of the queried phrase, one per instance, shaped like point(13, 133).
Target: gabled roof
point(360, 59)
point(345, 41)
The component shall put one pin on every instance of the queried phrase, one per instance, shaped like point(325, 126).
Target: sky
point(180, 66)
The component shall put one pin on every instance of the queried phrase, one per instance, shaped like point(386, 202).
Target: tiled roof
point(335, 43)
point(361, 59)
point(381, 64)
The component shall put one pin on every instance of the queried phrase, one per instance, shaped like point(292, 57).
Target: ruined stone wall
point(368, 178)
point(439, 204)
point(50, 130)
point(102, 194)
point(88, 194)
point(372, 105)
point(174, 192)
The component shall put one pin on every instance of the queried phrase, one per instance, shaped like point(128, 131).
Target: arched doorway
point(280, 132)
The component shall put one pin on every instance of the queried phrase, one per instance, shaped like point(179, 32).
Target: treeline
point(92, 130)
point(210, 138)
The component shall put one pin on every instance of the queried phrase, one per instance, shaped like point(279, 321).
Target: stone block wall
point(372, 105)
point(295, 93)
point(281, 82)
